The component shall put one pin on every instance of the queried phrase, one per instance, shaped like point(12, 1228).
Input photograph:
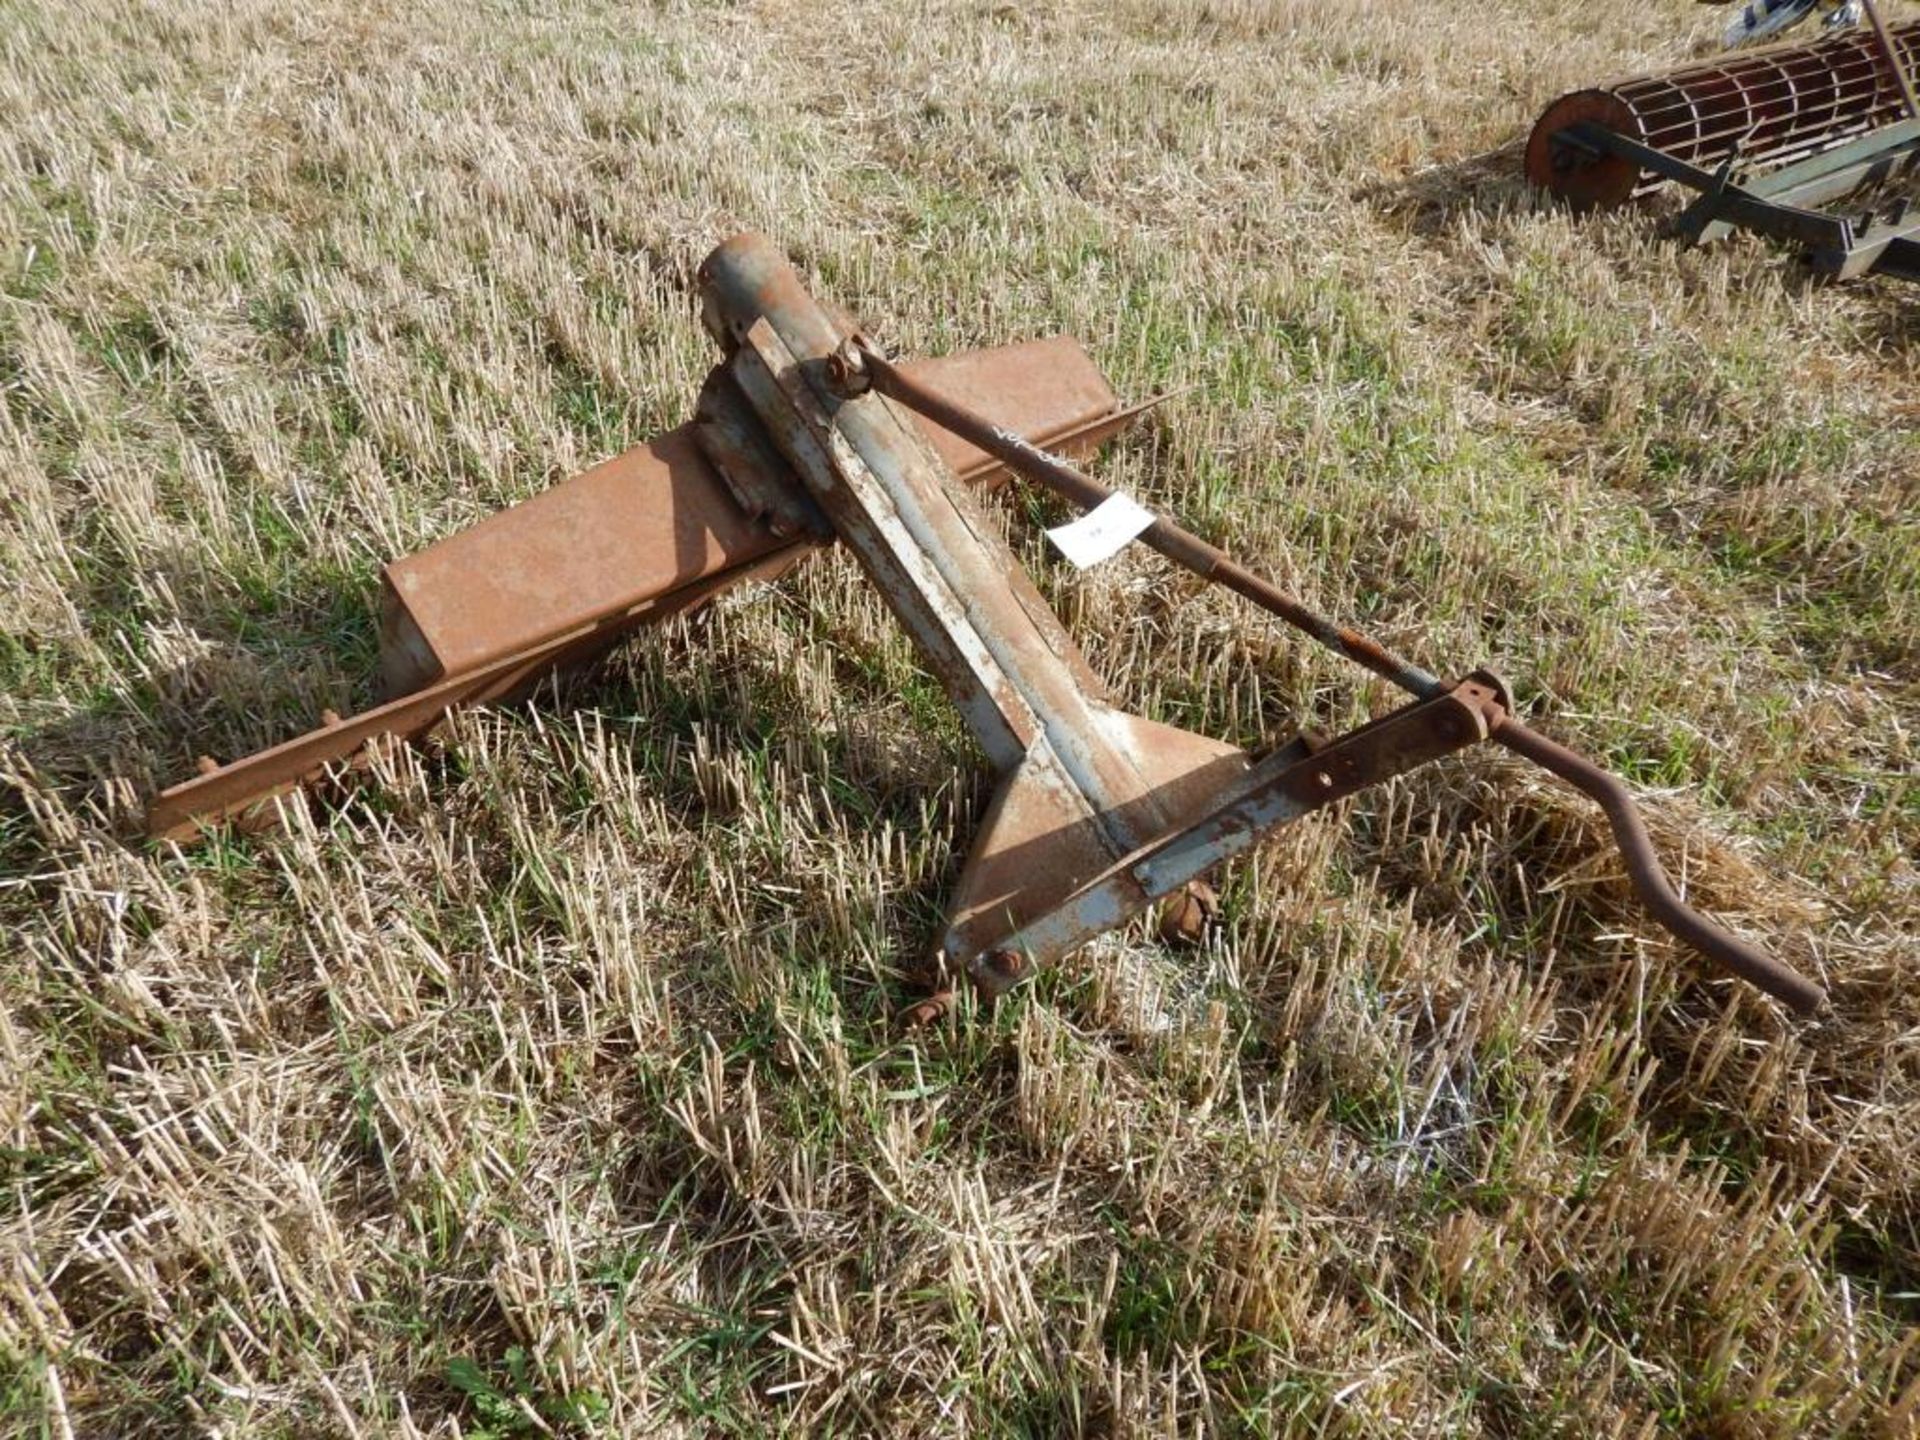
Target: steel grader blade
point(554, 582)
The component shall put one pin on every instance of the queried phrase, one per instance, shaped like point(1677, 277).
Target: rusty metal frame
point(1777, 204)
point(806, 433)
point(1081, 783)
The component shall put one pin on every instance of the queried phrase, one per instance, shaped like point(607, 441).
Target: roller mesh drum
point(1777, 105)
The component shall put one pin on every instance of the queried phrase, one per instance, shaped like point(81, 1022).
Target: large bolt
point(1007, 964)
point(1185, 914)
point(846, 371)
point(929, 1011)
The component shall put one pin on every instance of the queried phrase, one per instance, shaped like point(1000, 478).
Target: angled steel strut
point(804, 434)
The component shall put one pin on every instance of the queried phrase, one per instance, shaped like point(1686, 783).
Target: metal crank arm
point(1277, 795)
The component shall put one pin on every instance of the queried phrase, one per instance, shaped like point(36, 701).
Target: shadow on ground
point(1436, 199)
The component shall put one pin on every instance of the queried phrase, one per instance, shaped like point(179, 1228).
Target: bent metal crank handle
point(858, 366)
point(1649, 879)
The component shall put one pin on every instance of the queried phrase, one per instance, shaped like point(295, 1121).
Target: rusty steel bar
point(242, 791)
point(863, 365)
point(1773, 106)
point(1649, 878)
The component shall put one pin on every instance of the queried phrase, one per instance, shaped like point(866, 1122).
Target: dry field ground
point(548, 1084)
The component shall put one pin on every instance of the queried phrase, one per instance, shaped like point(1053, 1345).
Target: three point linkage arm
point(858, 366)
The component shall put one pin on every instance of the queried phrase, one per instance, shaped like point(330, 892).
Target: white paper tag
point(1103, 531)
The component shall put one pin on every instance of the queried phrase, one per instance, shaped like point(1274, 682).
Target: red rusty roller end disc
point(1590, 182)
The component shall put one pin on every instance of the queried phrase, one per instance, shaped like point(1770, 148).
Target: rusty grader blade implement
point(1775, 142)
point(805, 433)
